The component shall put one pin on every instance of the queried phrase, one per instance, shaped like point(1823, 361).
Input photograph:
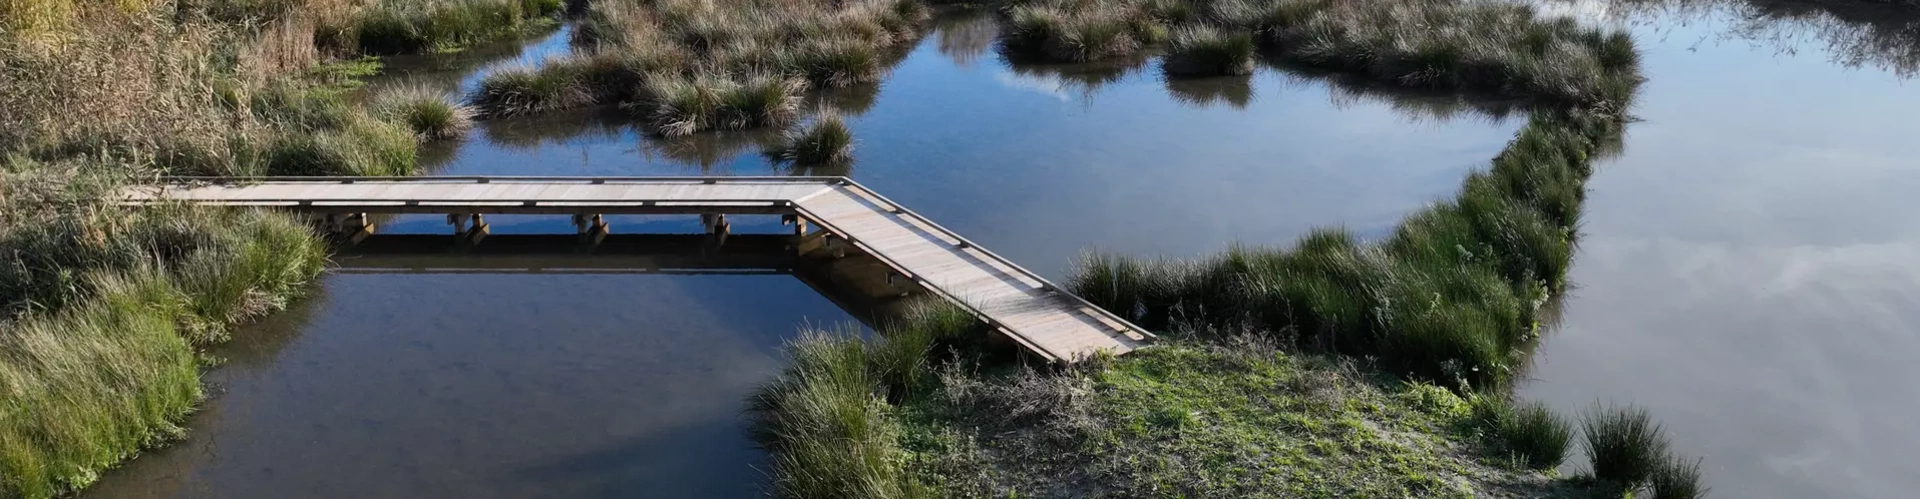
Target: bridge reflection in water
point(857, 282)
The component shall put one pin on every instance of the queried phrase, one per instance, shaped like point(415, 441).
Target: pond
point(445, 378)
point(1748, 266)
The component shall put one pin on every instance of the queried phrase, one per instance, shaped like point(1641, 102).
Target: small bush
point(1624, 445)
point(825, 142)
point(1206, 51)
point(1676, 477)
point(431, 114)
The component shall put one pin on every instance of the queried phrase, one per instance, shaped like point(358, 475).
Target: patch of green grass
point(1197, 420)
point(1676, 477)
point(1208, 51)
point(1530, 434)
point(827, 424)
point(431, 114)
point(364, 146)
point(1624, 445)
point(105, 307)
point(827, 142)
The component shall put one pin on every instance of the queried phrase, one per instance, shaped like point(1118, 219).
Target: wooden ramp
point(1042, 318)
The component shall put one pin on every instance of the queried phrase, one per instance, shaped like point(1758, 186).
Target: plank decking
point(1043, 319)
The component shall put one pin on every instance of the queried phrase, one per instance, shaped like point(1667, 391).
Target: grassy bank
point(106, 308)
point(685, 66)
point(105, 311)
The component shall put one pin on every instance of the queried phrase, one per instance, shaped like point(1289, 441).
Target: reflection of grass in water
point(1206, 51)
point(1854, 33)
point(526, 132)
point(709, 149)
point(1347, 90)
point(1233, 91)
point(1084, 79)
point(966, 37)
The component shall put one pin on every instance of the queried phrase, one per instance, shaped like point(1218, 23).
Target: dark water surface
point(573, 383)
point(1750, 267)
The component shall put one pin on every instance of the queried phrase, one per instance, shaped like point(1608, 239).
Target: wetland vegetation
point(1372, 366)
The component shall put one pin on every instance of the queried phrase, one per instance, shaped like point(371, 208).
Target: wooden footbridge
point(1043, 319)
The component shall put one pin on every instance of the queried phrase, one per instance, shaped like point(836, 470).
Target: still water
point(457, 382)
point(1749, 267)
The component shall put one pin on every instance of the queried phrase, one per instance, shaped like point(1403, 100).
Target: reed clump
point(430, 113)
point(1624, 445)
point(826, 142)
point(680, 106)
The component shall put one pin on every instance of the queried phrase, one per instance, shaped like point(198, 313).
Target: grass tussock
point(826, 419)
point(827, 142)
point(431, 114)
point(680, 106)
point(1676, 478)
point(520, 89)
point(1624, 446)
point(1528, 434)
point(1206, 51)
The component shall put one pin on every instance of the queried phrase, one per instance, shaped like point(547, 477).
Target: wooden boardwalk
point(1046, 321)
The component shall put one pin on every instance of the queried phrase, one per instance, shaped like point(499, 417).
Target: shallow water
point(1748, 267)
point(462, 383)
